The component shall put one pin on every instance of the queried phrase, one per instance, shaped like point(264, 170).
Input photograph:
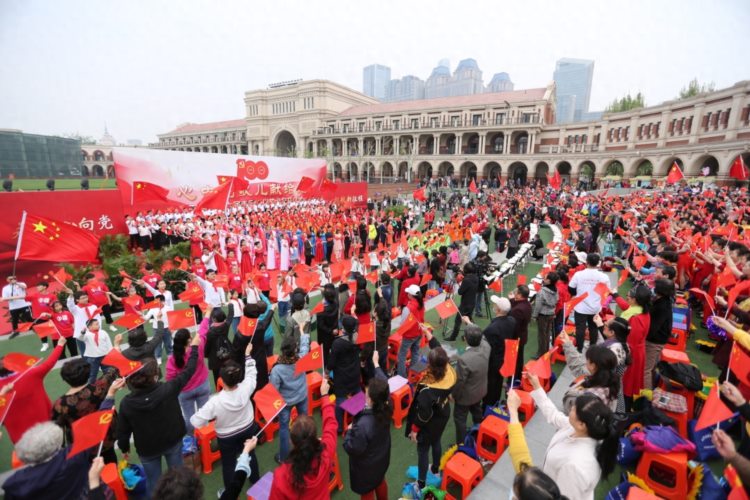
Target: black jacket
point(327, 321)
point(431, 408)
point(468, 292)
point(500, 329)
point(521, 311)
point(344, 361)
point(153, 415)
point(661, 321)
point(146, 350)
point(239, 344)
point(368, 445)
point(214, 342)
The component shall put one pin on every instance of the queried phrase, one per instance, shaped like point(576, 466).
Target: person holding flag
point(41, 308)
point(595, 373)
point(544, 313)
point(345, 365)
point(14, 293)
point(97, 344)
point(468, 292)
point(233, 414)
point(584, 283)
point(64, 324)
point(292, 387)
point(411, 337)
point(471, 386)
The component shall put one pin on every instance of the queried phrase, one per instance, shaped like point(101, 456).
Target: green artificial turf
point(403, 452)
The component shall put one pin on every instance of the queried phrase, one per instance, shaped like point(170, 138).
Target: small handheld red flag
point(709, 300)
point(496, 285)
point(425, 279)
point(510, 359)
point(124, 365)
point(714, 410)
point(247, 326)
point(366, 333)
point(542, 367)
point(603, 290)
point(623, 276)
point(313, 360)
point(409, 323)
point(521, 279)
point(89, 431)
point(318, 308)
point(738, 170)
point(184, 318)
point(572, 303)
point(19, 362)
point(268, 401)
point(192, 291)
point(446, 309)
point(129, 321)
point(45, 329)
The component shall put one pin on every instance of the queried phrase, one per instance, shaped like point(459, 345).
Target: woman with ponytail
point(584, 448)
point(368, 440)
point(197, 391)
point(596, 372)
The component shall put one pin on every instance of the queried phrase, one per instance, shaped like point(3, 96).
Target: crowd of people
point(378, 264)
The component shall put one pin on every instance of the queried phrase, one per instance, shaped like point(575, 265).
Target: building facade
point(573, 79)
point(408, 88)
point(512, 135)
point(375, 79)
point(38, 156)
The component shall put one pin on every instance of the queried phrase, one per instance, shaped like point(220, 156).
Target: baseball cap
point(501, 302)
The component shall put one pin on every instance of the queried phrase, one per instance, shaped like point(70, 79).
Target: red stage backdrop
point(188, 176)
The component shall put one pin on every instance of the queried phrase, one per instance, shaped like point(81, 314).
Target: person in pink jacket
point(196, 392)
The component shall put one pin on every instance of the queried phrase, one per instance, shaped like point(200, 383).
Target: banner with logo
point(187, 176)
point(347, 194)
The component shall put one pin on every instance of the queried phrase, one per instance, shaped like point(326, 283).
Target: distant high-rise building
point(408, 88)
point(500, 83)
point(439, 80)
point(573, 86)
point(467, 79)
point(375, 79)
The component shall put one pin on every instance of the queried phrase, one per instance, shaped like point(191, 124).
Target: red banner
point(346, 194)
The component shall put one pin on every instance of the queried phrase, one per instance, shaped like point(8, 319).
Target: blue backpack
point(469, 446)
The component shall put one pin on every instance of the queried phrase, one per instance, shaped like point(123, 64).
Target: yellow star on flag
point(139, 186)
point(39, 227)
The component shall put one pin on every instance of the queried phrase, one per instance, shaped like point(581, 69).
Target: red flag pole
point(229, 193)
point(20, 239)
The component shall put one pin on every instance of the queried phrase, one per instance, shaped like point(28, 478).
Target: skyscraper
point(573, 86)
point(375, 78)
point(500, 83)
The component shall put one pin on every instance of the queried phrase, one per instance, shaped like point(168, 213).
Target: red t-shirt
point(133, 304)
point(152, 279)
point(235, 282)
point(42, 303)
point(97, 294)
point(200, 271)
point(263, 281)
point(64, 322)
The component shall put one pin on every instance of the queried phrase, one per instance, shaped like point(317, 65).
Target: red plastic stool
point(681, 419)
point(401, 400)
point(204, 435)
point(527, 408)
point(335, 482)
point(463, 470)
point(394, 345)
point(674, 356)
point(678, 339)
point(415, 375)
point(111, 477)
point(492, 430)
point(15, 463)
point(665, 473)
point(559, 353)
point(314, 381)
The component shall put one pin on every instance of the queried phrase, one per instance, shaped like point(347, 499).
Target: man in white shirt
point(585, 282)
point(82, 311)
point(209, 260)
point(98, 344)
point(14, 293)
point(213, 295)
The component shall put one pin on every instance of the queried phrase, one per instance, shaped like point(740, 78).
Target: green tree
point(626, 103)
point(615, 168)
point(694, 88)
point(85, 139)
point(645, 169)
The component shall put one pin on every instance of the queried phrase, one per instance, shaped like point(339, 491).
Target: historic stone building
point(511, 134)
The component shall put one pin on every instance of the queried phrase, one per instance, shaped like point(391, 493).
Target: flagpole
point(229, 193)
point(20, 239)
point(270, 420)
point(132, 194)
point(7, 410)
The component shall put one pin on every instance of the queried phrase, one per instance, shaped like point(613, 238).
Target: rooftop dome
point(467, 64)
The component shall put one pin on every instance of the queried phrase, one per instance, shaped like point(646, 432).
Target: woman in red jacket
point(411, 338)
point(636, 311)
point(306, 471)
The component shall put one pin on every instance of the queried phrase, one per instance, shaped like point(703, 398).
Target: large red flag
point(366, 333)
point(675, 174)
point(446, 309)
point(738, 170)
point(305, 183)
point(217, 198)
point(714, 410)
point(510, 359)
point(116, 359)
point(41, 238)
point(313, 360)
point(419, 194)
point(183, 318)
point(268, 401)
point(145, 191)
point(90, 430)
point(473, 187)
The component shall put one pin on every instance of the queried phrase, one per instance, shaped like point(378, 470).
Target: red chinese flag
point(154, 304)
point(639, 261)
point(216, 199)
point(192, 292)
point(89, 431)
point(425, 279)
point(572, 303)
point(184, 318)
point(623, 276)
point(542, 367)
point(45, 329)
point(61, 275)
point(473, 187)
point(709, 300)
point(247, 326)
point(328, 186)
point(184, 264)
point(167, 266)
point(738, 170)
point(318, 308)
point(126, 282)
point(551, 245)
point(537, 286)
point(19, 362)
point(129, 321)
point(5, 402)
point(726, 278)
point(366, 333)
point(510, 359)
point(739, 363)
point(301, 268)
point(409, 323)
point(603, 290)
point(521, 279)
point(221, 281)
point(736, 291)
point(446, 309)
point(675, 174)
point(46, 239)
point(714, 410)
point(305, 183)
point(419, 194)
point(496, 285)
point(124, 365)
point(621, 232)
point(145, 191)
point(268, 401)
point(313, 360)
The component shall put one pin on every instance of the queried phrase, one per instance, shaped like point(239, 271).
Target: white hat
point(501, 302)
point(413, 289)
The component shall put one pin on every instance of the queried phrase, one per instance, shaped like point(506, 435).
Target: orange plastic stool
point(415, 376)
point(492, 430)
point(401, 400)
point(205, 435)
point(111, 477)
point(527, 407)
point(558, 354)
point(463, 470)
point(15, 463)
point(681, 419)
point(674, 356)
point(678, 339)
point(665, 473)
point(314, 381)
point(394, 344)
point(335, 482)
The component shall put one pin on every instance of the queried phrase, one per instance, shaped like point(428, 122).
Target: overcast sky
point(144, 66)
